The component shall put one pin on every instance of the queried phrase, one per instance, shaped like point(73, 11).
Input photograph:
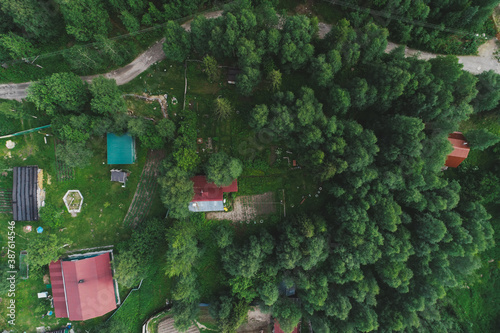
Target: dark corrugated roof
point(24, 193)
point(232, 73)
point(118, 176)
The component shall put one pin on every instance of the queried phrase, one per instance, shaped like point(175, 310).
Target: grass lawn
point(148, 300)
point(142, 108)
point(100, 222)
point(164, 77)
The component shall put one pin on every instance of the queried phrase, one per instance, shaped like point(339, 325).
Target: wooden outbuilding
point(460, 150)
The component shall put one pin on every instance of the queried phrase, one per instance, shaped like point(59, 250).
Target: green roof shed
point(121, 149)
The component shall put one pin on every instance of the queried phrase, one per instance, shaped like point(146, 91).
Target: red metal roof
point(93, 297)
point(460, 150)
point(204, 191)
point(277, 328)
point(58, 294)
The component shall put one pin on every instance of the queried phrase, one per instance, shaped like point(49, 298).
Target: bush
point(51, 216)
point(74, 154)
point(481, 139)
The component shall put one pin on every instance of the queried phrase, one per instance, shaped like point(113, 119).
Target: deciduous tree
point(59, 92)
point(177, 45)
point(74, 154)
point(481, 139)
point(176, 191)
point(17, 46)
point(106, 97)
point(222, 169)
point(85, 19)
point(45, 249)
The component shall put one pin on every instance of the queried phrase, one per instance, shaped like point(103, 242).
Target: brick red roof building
point(83, 288)
point(209, 197)
point(460, 150)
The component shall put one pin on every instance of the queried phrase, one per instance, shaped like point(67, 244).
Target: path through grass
point(146, 190)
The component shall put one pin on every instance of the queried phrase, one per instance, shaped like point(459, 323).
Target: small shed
point(119, 176)
point(232, 74)
point(121, 149)
point(460, 150)
point(25, 193)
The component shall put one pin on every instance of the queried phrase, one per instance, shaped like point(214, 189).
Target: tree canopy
point(222, 169)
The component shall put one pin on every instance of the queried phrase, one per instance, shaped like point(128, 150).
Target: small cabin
point(209, 197)
point(119, 176)
point(460, 150)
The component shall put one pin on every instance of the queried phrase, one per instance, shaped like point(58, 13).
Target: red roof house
point(209, 197)
point(82, 288)
point(460, 150)
point(277, 328)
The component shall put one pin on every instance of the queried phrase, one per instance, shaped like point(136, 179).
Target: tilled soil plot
point(248, 207)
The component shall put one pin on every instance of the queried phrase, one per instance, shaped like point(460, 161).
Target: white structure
point(10, 144)
point(73, 200)
point(43, 294)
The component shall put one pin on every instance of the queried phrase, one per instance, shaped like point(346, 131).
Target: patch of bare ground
point(257, 322)
point(247, 207)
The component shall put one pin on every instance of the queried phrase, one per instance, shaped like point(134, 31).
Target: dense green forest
point(97, 35)
point(395, 234)
point(446, 27)
point(84, 36)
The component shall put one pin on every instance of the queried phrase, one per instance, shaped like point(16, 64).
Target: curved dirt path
point(484, 61)
point(122, 75)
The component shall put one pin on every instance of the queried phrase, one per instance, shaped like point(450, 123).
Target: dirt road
point(121, 75)
point(484, 61)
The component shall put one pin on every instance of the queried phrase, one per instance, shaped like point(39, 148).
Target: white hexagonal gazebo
point(73, 200)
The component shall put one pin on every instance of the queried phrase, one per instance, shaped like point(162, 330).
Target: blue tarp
point(121, 149)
